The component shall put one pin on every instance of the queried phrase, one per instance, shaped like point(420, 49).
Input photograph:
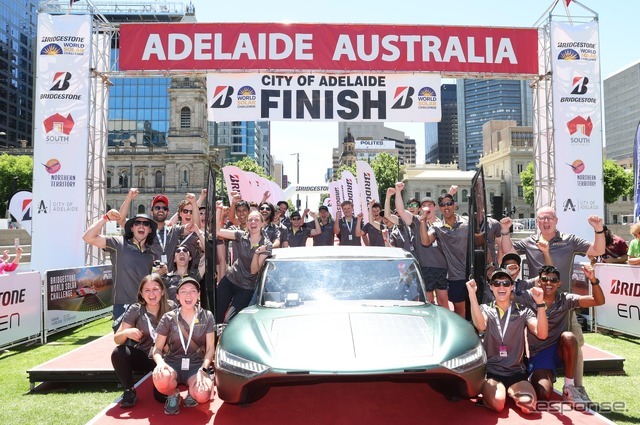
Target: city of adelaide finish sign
point(328, 47)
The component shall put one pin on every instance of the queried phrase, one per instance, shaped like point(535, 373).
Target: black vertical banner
point(477, 245)
point(208, 297)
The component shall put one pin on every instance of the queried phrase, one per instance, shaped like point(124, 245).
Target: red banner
point(328, 47)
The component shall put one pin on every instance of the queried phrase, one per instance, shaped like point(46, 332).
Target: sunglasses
point(182, 249)
point(413, 205)
point(158, 208)
point(511, 267)
point(265, 208)
point(546, 218)
point(141, 223)
point(186, 211)
point(499, 283)
point(445, 204)
point(296, 218)
point(549, 279)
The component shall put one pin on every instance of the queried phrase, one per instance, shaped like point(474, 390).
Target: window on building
point(520, 167)
point(108, 181)
point(416, 195)
point(140, 209)
point(185, 117)
point(141, 180)
point(185, 178)
point(428, 194)
point(123, 180)
point(159, 178)
point(520, 192)
point(615, 218)
point(465, 195)
point(624, 198)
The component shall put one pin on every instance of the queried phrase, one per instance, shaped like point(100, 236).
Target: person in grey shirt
point(503, 322)
point(560, 348)
point(326, 236)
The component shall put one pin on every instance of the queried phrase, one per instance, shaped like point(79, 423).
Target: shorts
point(434, 278)
point(182, 376)
point(508, 381)
point(457, 290)
point(547, 359)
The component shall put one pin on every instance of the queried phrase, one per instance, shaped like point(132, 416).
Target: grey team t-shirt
point(519, 317)
point(428, 256)
point(168, 326)
point(557, 316)
point(240, 271)
point(326, 236)
point(453, 243)
point(137, 317)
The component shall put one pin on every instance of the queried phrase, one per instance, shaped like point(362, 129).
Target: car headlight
point(238, 366)
point(467, 361)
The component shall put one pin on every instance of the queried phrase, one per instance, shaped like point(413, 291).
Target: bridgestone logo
point(61, 96)
point(625, 288)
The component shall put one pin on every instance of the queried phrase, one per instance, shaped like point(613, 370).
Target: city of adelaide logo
point(222, 97)
point(427, 98)
point(246, 97)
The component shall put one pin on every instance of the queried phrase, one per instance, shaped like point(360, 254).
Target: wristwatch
point(205, 370)
point(597, 282)
point(541, 305)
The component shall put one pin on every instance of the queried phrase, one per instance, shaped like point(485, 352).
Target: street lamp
point(297, 154)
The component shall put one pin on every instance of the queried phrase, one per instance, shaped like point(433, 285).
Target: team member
point(131, 255)
point(563, 247)
point(252, 247)
point(347, 228)
point(503, 322)
point(299, 232)
point(137, 334)
point(326, 236)
point(189, 333)
point(374, 231)
point(270, 227)
point(182, 268)
point(560, 348)
point(634, 246)
point(452, 234)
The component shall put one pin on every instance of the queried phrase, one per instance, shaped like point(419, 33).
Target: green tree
point(387, 171)
point(617, 182)
point(16, 173)
point(527, 178)
point(350, 168)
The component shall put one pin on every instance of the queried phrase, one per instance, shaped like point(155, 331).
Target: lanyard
point(506, 323)
point(152, 330)
point(349, 224)
point(163, 242)
point(193, 321)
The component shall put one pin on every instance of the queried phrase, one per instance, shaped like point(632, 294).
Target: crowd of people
point(158, 269)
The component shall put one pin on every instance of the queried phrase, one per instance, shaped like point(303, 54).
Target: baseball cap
point(188, 279)
point(428, 199)
point(323, 207)
point(511, 256)
point(160, 198)
point(295, 214)
point(500, 272)
point(413, 201)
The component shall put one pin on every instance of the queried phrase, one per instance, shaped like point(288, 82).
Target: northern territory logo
point(403, 97)
point(222, 97)
point(577, 166)
point(246, 97)
point(580, 129)
point(427, 98)
point(52, 166)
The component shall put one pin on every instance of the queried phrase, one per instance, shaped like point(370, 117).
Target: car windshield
point(289, 283)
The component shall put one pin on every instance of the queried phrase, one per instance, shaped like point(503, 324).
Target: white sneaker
point(571, 393)
point(583, 394)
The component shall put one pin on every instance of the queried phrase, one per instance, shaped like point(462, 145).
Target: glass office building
point(18, 19)
point(480, 101)
point(441, 138)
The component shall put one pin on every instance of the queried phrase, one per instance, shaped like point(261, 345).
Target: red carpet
point(336, 404)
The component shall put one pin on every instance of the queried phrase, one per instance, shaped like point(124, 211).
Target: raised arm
point(336, 223)
point(222, 233)
point(126, 205)
point(539, 326)
point(505, 241)
point(93, 234)
point(387, 206)
point(405, 215)
point(477, 316)
point(202, 197)
point(599, 245)
point(597, 295)
point(316, 230)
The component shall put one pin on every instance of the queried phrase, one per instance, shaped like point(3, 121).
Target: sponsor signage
point(75, 295)
point(324, 97)
point(21, 311)
point(621, 286)
point(386, 145)
point(61, 134)
point(577, 121)
point(329, 47)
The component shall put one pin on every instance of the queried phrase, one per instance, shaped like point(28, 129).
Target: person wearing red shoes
point(189, 333)
point(503, 322)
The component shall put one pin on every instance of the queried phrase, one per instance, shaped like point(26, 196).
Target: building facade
point(622, 111)
point(18, 20)
point(441, 138)
point(480, 101)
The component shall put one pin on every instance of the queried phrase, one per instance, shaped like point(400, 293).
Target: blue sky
point(619, 33)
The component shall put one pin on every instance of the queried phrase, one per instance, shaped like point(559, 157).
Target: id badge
point(163, 258)
point(350, 237)
point(411, 248)
point(503, 351)
point(185, 363)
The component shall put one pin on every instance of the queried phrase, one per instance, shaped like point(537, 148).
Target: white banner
point(384, 144)
point(351, 192)
point(236, 181)
point(335, 196)
point(575, 54)
point(368, 186)
point(20, 208)
point(324, 97)
point(61, 134)
point(621, 286)
point(21, 300)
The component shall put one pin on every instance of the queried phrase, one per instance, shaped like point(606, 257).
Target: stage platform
point(371, 403)
point(92, 363)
